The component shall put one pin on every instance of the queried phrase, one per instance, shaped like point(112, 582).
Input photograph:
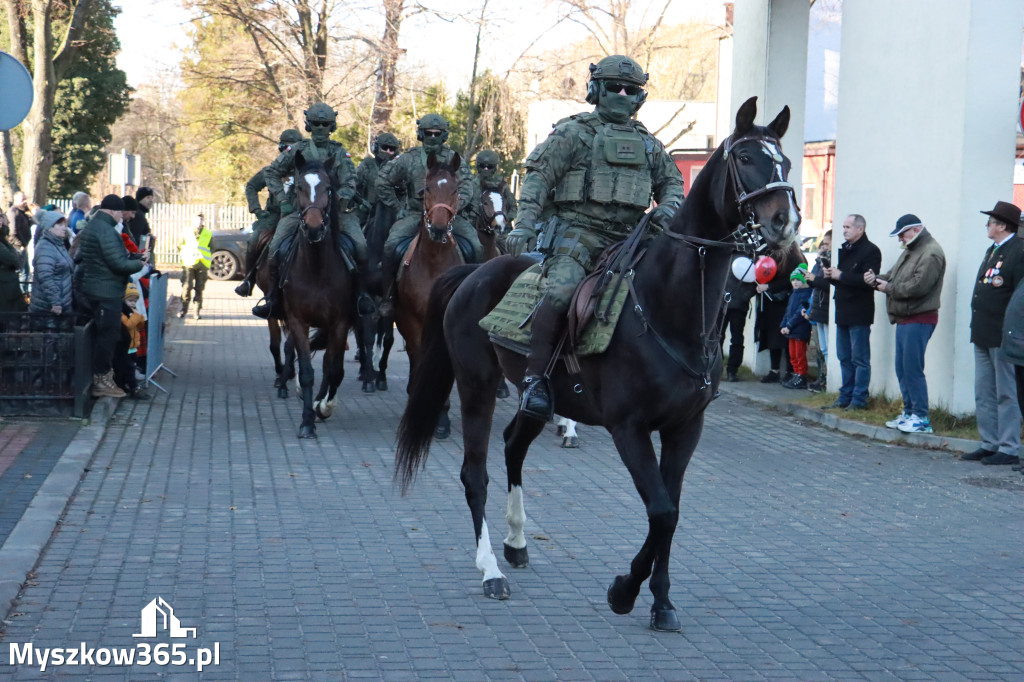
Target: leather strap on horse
point(411, 250)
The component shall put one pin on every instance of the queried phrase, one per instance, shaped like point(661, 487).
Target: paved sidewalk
point(801, 554)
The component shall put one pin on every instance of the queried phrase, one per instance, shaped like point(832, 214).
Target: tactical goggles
point(387, 148)
point(432, 133)
point(485, 166)
point(321, 124)
point(622, 88)
point(283, 147)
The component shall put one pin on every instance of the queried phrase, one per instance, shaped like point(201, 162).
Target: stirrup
point(263, 308)
point(537, 401)
point(245, 288)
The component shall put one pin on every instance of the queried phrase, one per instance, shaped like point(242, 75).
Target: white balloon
point(743, 269)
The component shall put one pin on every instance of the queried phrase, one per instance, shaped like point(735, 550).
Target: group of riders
point(586, 187)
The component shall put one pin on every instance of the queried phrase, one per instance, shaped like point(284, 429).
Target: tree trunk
point(37, 155)
point(384, 99)
point(471, 122)
point(8, 173)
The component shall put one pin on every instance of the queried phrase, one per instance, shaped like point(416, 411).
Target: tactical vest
point(619, 173)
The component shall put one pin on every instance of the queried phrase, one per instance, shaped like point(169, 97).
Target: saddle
point(406, 248)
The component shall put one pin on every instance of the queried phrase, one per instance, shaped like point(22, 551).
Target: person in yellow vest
point(195, 262)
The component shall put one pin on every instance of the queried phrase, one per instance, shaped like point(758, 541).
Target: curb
point(879, 433)
point(21, 551)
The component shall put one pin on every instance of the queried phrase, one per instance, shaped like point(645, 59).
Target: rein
point(447, 225)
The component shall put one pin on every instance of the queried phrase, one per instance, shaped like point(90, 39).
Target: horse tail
point(431, 381)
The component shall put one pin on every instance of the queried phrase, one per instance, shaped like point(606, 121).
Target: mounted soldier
point(408, 173)
point(493, 184)
point(321, 121)
point(267, 216)
point(595, 175)
point(384, 149)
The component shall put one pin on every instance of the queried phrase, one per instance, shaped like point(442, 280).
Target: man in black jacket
point(995, 386)
point(139, 224)
point(855, 311)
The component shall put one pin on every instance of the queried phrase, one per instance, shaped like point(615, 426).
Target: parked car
point(227, 253)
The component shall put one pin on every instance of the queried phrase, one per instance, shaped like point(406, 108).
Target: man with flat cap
point(995, 386)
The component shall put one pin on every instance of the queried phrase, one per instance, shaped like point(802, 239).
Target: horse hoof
point(368, 387)
point(560, 431)
point(665, 619)
point(619, 598)
point(502, 391)
point(307, 431)
point(322, 414)
point(282, 392)
point(517, 558)
point(382, 384)
point(497, 588)
point(442, 432)
point(570, 442)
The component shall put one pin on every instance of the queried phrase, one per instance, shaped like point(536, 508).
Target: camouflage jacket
point(366, 181)
point(252, 193)
point(598, 175)
point(408, 171)
point(343, 172)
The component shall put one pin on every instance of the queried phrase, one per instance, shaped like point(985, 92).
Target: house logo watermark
point(157, 619)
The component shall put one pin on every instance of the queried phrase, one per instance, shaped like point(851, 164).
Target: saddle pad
point(512, 319)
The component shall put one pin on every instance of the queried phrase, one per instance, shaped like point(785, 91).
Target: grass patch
point(882, 409)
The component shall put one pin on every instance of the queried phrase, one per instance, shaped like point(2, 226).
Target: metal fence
point(45, 363)
point(170, 222)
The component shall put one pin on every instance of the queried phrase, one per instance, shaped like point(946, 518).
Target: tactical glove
point(262, 214)
point(520, 239)
point(662, 215)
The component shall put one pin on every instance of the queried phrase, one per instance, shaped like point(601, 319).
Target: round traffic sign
point(16, 84)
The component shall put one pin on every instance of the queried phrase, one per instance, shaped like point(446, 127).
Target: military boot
point(270, 304)
point(251, 258)
point(389, 273)
point(548, 323)
point(184, 308)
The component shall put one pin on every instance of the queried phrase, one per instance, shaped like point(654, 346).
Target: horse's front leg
point(299, 334)
point(287, 368)
point(518, 436)
point(275, 349)
point(365, 332)
point(334, 373)
point(633, 441)
point(387, 336)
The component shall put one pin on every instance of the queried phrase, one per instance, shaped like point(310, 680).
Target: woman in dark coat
point(52, 267)
point(12, 260)
point(771, 303)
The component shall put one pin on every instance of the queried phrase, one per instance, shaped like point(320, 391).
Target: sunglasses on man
point(388, 148)
point(320, 124)
point(283, 147)
point(432, 133)
point(621, 88)
point(485, 167)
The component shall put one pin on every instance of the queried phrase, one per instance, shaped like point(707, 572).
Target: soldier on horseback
point(599, 170)
point(321, 121)
point(408, 173)
point(266, 217)
point(491, 180)
point(385, 148)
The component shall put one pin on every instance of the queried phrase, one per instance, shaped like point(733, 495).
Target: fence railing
point(170, 223)
point(45, 363)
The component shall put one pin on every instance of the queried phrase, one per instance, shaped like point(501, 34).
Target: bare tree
point(386, 94)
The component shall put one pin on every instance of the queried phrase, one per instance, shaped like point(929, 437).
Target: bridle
point(325, 213)
point(446, 232)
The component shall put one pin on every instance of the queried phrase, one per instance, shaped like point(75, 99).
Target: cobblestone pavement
point(28, 450)
point(801, 554)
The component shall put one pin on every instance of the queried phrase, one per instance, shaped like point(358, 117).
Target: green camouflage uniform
point(366, 187)
point(267, 216)
point(600, 177)
point(343, 182)
point(409, 172)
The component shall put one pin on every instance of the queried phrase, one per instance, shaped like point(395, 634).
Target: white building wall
point(926, 125)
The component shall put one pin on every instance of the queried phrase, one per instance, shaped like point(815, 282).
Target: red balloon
point(765, 269)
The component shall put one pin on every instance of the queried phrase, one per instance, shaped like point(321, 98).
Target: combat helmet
point(288, 138)
point(619, 68)
point(488, 157)
point(432, 122)
point(320, 113)
point(385, 139)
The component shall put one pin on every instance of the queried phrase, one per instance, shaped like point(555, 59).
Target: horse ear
point(431, 160)
point(300, 161)
point(781, 123)
point(456, 161)
point(745, 117)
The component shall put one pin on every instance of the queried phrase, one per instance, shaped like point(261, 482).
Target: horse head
point(441, 196)
point(492, 212)
point(752, 189)
point(313, 196)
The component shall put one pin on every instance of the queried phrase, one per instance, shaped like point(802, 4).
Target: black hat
point(1007, 213)
point(905, 223)
point(130, 204)
point(112, 202)
point(143, 192)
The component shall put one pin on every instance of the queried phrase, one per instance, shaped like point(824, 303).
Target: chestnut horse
point(491, 224)
point(318, 291)
point(659, 373)
point(432, 253)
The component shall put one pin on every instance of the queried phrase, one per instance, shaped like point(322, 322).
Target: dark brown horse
point(659, 373)
point(491, 223)
point(318, 291)
point(273, 325)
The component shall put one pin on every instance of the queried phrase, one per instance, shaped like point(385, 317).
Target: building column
point(927, 123)
point(769, 60)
